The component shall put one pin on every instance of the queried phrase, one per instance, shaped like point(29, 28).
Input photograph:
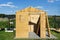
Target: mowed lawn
point(56, 34)
point(10, 36)
point(6, 35)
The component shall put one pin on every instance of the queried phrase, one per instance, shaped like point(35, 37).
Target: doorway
point(33, 19)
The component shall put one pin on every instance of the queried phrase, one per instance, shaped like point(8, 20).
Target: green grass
point(3, 24)
point(6, 35)
point(10, 36)
point(56, 34)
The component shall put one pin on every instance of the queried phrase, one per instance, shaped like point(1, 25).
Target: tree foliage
point(2, 15)
point(54, 21)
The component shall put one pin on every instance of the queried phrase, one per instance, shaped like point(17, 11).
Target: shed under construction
point(31, 20)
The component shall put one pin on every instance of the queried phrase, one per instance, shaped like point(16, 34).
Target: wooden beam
point(47, 25)
point(42, 25)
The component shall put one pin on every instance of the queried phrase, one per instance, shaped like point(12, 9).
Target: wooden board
point(22, 25)
point(42, 25)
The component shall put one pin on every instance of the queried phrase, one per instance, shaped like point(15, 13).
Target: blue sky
point(52, 7)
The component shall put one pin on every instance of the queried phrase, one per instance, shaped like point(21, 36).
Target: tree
point(2, 15)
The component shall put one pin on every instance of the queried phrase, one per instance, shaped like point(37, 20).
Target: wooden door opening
point(33, 22)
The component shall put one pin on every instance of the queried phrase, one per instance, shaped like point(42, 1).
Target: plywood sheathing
point(22, 25)
point(43, 25)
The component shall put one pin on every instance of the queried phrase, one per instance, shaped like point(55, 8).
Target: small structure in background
point(1, 29)
point(11, 23)
point(3, 19)
point(8, 29)
point(32, 22)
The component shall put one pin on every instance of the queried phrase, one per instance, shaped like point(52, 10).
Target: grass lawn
point(10, 36)
point(56, 34)
point(6, 35)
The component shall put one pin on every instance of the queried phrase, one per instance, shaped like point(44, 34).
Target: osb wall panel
point(22, 25)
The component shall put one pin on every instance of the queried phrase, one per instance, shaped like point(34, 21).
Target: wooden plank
point(48, 29)
point(42, 25)
point(22, 25)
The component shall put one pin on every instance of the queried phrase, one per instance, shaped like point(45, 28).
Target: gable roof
point(30, 9)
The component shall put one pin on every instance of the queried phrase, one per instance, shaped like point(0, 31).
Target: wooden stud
point(42, 25)
point(47, 25)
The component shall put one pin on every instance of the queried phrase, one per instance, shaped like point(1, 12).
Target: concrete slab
point(33, 35)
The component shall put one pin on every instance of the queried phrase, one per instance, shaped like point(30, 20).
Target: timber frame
point(22, 23)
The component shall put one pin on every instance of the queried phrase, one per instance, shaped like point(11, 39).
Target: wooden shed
point(31, 20)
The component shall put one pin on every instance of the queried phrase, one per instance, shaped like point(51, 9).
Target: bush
point(1, 29)
point(3, 24)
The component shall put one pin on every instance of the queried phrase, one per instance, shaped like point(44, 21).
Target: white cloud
point(51, 1)
point(38, 7)
point(9, 4)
